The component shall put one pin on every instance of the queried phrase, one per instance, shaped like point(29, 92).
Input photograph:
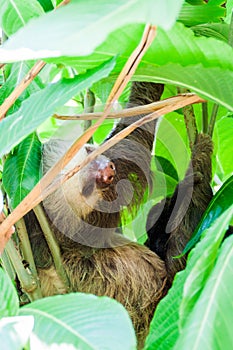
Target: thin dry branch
point(10, 100)
point(35, 196)
point(124, 113)
point(43, 189)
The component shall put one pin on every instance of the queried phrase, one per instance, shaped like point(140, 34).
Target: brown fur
point(131, 274)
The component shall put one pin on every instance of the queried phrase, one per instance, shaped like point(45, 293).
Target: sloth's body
point(86, 211)
point(85, 214)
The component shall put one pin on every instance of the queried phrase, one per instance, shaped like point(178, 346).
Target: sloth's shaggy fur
point(85, 218)
point(96, 257)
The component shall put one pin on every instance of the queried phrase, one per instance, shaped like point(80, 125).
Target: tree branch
point(124, 113)
point(10, 100)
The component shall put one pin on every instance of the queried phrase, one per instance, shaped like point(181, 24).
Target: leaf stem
point(190, 121)
point(25, 245)
point(28, 282)
point(230, 38)
point(89, 103)
point(212, 119)
point(53, 245)
point(204, 117)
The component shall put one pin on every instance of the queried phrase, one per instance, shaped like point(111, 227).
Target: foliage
point(85, 45)
point(73, 321)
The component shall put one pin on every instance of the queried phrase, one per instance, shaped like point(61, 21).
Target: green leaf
point(192, 15)
point(21, 171)
point(229, 6)
point(39, 106)
point(165, 326)
point(83, 320)
point(47, 5)
point(210, 83)
point(167, 167)
point(177, 45)
point(15, 332)
point(69, 30)
point(223, 140)
point(16, 13)
point(17, 73)
point(207, 324)
point(172, 142)
point(201, 262)
point(221, 201)
point(9, 302)
point(175, 57)
point(219, 31)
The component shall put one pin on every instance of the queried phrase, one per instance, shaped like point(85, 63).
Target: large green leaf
point(15, 332)
point(14, 14)
point(165, 325)
point(76, 29)
point(220, 203)
point(201, 264)
point(223, 138)
point(164, 328)
point(9, 302)
point(192, 15)
point(83, 320)
point(21, 170)
point(39, 106)
point(210, 83)
point(219, 31)
point(208, 326)
point(172, 142)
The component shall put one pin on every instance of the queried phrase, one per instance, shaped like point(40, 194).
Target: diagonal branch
point(10, 100)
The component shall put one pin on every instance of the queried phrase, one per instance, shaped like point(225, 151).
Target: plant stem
point(230, 39)
point(28, 282)
point(53, 245)
point(89, 103)
point(213, 119)
point(204, 118)
point(7, 265)
point(190, 121)
point(26, 246)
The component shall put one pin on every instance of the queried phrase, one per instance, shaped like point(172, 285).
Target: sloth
point(85, 215)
